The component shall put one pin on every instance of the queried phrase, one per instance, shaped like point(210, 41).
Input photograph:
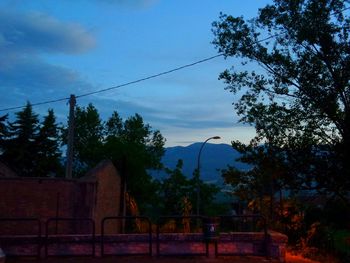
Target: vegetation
point(30, 147)
point(298, 99)
point(34, 148)
point(179, 194)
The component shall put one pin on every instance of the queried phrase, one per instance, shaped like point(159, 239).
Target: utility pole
point(70, 138)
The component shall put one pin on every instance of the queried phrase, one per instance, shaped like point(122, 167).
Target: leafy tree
point(88, 139)
point(114, 126)
point(20, 145)
point(299, 99)
point(48, 147)
point(176, 191)
point(131, 144)
point(208, 204)
point(258, 185)
point(174, 188)
point(135, 148)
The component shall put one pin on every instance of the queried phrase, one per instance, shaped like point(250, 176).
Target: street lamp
point(198, 169)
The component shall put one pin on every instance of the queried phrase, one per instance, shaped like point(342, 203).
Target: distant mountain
point(214, 157)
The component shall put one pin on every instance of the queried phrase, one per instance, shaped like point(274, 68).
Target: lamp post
point(198, 168)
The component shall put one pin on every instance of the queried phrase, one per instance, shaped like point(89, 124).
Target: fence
point(172, 235)
point(244, 235)
point(130, 225)
point(181, 235)
point(30, 242)
point(64, 239)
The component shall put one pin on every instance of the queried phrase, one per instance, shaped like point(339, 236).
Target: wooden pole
point(70, 138)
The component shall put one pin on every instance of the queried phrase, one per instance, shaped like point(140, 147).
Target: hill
point(214, 157)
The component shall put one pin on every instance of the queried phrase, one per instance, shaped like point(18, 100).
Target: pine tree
point(3, 132)
point(48, 147)
point(20, 147)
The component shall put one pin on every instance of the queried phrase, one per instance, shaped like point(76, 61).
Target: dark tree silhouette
point(299, 98)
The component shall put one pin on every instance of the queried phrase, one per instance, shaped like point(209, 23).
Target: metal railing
point(6, 241)
point(243, 223)
point(171, 224)
point(113, 239)
point(56, 238)
point(61, 232)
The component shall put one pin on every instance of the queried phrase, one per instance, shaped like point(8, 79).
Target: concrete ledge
point(242, 236)
point(276, 246)
point(196, 237)
point(243, 243)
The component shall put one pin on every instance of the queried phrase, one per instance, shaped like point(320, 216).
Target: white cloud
point(40, 33)
point(24, 74)
point(24, 39)
point(35, 80)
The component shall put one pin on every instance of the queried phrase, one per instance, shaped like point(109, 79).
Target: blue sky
point(50, 49)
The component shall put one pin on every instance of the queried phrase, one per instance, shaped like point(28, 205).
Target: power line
point(149, 77)
point(168, 71)
point(134, 81)
point(35, 104)
point(121, 85)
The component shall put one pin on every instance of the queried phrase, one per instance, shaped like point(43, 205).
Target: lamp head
point(216, 137)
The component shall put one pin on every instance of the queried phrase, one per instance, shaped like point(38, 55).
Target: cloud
point(24, 74)
point(40, 33)
point(36, 75)
point(160, 116)
point(35, 80)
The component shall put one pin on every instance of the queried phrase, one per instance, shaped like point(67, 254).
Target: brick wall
point(36, 197)
point(108, 193)
point(95, 196)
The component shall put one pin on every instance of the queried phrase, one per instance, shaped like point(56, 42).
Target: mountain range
point(213, 159)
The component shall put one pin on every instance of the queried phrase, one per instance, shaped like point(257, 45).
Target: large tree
point(174, 189)
point(136, 148)
point(20, 144)
point(88, 139)
point(177, 192)
point(132, 145)
point(48, 150)
point(299, 97)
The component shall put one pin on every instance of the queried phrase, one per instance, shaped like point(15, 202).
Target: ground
point(242, 259)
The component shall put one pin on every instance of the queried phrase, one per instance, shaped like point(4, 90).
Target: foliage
point(48, 148)
point(3, 131)
point(131, 144)
point(174, 188)
point(88, 136)
point(299, 99)
point(31, 147)
point(135, 147)
point(179, 194)
point(325, 244)
point(19, 146)
point(342, 243)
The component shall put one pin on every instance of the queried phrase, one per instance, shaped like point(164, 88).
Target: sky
point(50, 49)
